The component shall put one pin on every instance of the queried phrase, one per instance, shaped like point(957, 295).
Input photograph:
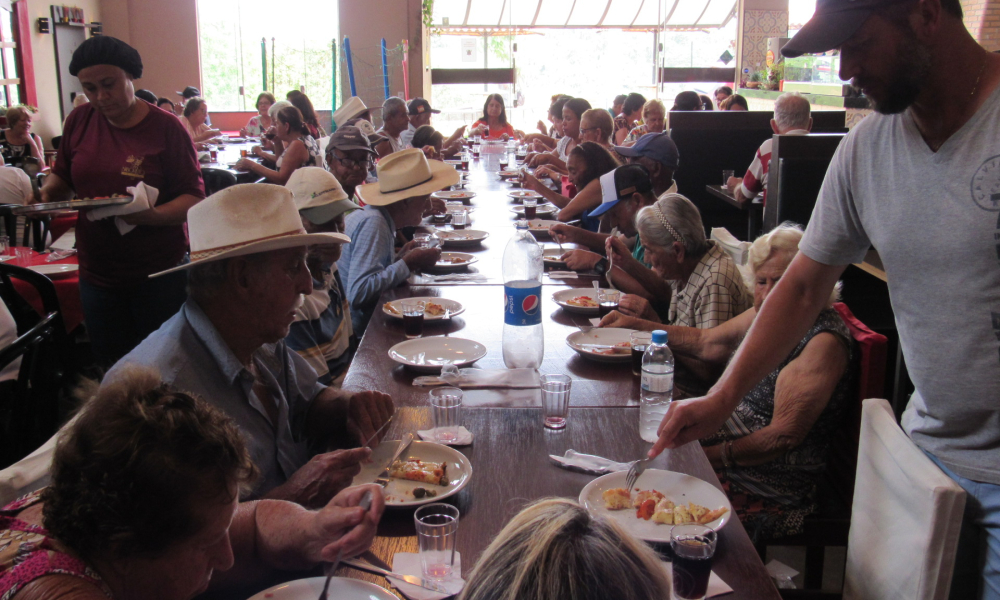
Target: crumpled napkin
point(716, 586)
point(408, 563)
point(143, 198)
point(430, 435)
point(737, 250)
point(588, 463)
point(470, 379)
point(562, 274)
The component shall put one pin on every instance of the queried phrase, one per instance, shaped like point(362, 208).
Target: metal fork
point(634, 472)
point(331, 568)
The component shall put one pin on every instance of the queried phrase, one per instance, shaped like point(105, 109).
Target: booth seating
point(712, 141)
point(798, 167)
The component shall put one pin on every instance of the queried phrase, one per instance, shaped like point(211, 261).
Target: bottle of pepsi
point(523, 342)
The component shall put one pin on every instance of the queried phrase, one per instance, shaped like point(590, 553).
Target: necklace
point(982, 69)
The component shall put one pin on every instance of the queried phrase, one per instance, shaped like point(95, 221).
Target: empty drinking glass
point(726, 174)
point(4, 245)
point(459, 219)
point(437, 530)
point(555, 400)
point(423, 240)
point(446, 407)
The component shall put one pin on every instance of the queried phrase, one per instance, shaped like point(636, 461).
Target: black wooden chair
point(798, 167)
point(217, 179)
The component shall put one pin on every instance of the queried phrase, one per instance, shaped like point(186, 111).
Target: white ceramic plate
point(341, 588)
point(520, 195)
point(680, 488)
point(457, 195)
point(462, 237)
point(541, 209)
point(550, 256)
point(453, 261)
point(454, 307)
point(540, 227)
point(584, 343)
point(509, 173)
point(428, 354)
point(55, 270)
point(562, 298)
point(399, 492)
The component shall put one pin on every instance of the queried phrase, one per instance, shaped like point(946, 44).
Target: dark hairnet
point(105, 50)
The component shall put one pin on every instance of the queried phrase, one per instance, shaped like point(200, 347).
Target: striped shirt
point(755, 179)
point(322, 333)
point(713, 294)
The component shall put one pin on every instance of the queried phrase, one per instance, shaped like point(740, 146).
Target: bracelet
point(723, 457)
point(729, 454)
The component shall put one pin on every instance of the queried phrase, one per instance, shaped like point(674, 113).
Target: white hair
point(782, 240)
point(392, 106)
point(277, 106)
point(792, 111)
point(672, 218)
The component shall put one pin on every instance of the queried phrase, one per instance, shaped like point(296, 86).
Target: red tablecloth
point(67, 289)
point(61, 223)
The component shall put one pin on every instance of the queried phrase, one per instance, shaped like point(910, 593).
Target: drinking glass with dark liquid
point(244, 153)
point(475, 151)
point(607, 301)
point(413, 318)
point(530, 208)
point(504, 161)
point(465, 161)
point(640, 340)
point(693, 547)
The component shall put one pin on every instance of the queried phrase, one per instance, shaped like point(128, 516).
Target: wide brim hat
point(368, 130)
point(350, 109)
point(833, 23)
point(246, 219)
point(406, 174)
point(318, 195)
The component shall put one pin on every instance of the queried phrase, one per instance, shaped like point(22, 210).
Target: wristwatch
point(601, 267)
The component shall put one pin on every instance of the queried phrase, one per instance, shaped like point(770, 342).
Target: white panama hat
point(350, 109)
point(406, 174)
point(246, 219)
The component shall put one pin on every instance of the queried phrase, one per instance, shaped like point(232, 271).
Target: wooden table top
point(722, 193)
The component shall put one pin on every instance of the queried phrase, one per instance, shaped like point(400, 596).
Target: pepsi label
point(522, 306)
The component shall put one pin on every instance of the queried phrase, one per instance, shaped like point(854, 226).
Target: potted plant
point(775, 73)
point(756, 78)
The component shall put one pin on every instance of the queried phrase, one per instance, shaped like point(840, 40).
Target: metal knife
point(411, 579)
point(380, 430)
point(383, 478)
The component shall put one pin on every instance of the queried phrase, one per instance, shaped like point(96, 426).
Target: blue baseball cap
point(619, 184)
point(657, 146)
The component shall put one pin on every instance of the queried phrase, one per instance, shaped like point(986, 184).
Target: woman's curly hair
point(130, 476)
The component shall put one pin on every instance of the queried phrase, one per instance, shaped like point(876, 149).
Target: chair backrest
point(323, 143)
point(798, 167)
point(216, 179)
point(906, 517)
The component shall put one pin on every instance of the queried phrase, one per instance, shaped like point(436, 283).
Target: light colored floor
point(795, 557)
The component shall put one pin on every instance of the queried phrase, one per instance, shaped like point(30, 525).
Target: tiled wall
point(982, 17)
point(758, 25)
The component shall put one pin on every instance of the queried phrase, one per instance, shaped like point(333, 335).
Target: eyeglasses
point(350, 163)
point(589, 129)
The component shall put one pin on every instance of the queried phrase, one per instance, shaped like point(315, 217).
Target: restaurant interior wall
point(48, 122)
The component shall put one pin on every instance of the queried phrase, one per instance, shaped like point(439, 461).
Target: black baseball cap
point(419, 106)
point(621, 183)
point(349, 137)
point(189, 92)
point(833, 23)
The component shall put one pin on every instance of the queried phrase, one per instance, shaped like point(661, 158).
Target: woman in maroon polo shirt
point(110, 144)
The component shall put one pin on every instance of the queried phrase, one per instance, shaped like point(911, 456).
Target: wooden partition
point(798, 167)
point(712, 141)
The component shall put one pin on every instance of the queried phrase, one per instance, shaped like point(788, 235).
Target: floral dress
point(773, 499)
point(27, 552)
point(254, 127)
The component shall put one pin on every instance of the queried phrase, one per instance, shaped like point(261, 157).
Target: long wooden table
point(510, 451)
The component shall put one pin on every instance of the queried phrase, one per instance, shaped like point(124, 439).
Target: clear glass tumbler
point(437, 531)
point(555, 400)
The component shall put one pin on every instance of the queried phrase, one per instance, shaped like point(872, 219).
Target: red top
point(495, 132)
point(98, 159)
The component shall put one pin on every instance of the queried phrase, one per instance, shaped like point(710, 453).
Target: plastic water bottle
point(657, 387)
point(523, 342)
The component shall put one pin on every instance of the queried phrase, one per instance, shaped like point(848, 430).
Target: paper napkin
point(408, 563)
point(589, 463)
point(430, 435)
point(470, 379)
point(143, 198)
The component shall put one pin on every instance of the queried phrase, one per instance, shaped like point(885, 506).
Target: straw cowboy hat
point(350, 109)
point(406, 174)
point(247, 219)
point(318, 195)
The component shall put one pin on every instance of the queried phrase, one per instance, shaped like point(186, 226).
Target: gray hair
point(392, 106)
point(277, 106)
point(672, 218)
point(205, 281)
point(791, 111)
point(782, 240)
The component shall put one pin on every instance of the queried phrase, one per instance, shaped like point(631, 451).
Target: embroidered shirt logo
point(985, 185)
point(133, 167)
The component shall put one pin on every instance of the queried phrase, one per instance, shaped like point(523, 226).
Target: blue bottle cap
point(659, 337)
point(521, 224)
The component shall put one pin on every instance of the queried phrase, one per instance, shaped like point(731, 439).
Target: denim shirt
point(192, 357)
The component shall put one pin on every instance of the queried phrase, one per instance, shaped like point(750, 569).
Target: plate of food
point(582, 301)
point(659, 500)
point(429, 354)
point(55, 270)
point(540, 227)
point(462, 195)
point(551, 257)
point(519, 195)
point(462, 237)
point(453, 261)
point(435, 309)
point(342, 588)
point(425, 473)
point(541, 209)
point(509, 173)
point(607, 344)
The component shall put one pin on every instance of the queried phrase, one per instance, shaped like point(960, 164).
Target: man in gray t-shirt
point(921, 183)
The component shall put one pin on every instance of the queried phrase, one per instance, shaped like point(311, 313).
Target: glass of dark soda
point(413, 318)
point(607, 301)
point(640, 340)
point(693, 547)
